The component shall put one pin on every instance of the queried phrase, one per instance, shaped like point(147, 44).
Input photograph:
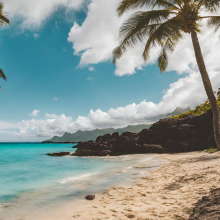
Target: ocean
point(33, 184)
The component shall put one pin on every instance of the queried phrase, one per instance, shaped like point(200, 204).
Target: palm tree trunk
point(208, 87)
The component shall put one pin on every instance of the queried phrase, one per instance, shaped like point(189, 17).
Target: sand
point(169, 192)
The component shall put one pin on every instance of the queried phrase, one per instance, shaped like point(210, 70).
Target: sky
point(56, 55)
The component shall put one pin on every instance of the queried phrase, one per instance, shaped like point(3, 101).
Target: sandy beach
point(169, 192)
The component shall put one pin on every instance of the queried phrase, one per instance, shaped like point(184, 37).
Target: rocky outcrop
point(115, 145)
point(208, 207)
point(192, 133)
point(59, 154)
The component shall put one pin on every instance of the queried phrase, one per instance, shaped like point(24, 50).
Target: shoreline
point(168, 192)
point(42, 202)
point(70, 210)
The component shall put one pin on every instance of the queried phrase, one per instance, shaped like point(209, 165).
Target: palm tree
point(3, 21)
point(164, 25)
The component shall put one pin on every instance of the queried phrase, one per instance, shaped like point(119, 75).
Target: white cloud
point(51, 116)
point(186, 92)
point(93, 51)
point(7, 125)
point(90, 78)
point(55, 99)
point(91, 68)
point(36, 36)
point(34, 113)
point(33, 13)
point(97, 36)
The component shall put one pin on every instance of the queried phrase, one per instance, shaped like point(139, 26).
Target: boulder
point(59, 154)
point(88, 152)
point(90, 197)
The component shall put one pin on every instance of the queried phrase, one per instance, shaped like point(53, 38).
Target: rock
point(115, 135)
point(99, 138)
point(131, 216)
point(208, 207)
point(191, 133)
point(59, 154)
point(90, 197)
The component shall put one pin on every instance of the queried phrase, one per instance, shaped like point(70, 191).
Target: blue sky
point(42, 68)
point(54, 65)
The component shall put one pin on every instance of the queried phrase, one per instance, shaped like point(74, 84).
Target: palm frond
point(214, 22)
point(3, 18)
point(177, 2)
point(167, 4)
point(169, 45)
point(126, 5)
point(117, 53)
point(169, 29)
point(2, 75)
point(162, 60)
point(137, 27)
point(211, 5)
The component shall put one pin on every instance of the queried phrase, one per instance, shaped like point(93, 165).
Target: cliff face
point(169, 135)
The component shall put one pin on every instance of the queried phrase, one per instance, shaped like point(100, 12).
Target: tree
point(3, 21)
point(164, 25)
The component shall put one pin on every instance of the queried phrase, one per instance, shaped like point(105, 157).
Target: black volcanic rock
point(181, 135)
point(208, 207)
point(192, 133)
point(93, 148)
point(59, 154)
point(115, 135)
point(90, 197)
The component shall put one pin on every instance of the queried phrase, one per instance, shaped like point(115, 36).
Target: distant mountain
point(92, 135)
point(177, 111)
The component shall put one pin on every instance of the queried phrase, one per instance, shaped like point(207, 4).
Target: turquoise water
point(31, 181)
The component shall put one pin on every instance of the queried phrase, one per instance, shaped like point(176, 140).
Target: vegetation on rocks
point(212, 150)
point(200, 109)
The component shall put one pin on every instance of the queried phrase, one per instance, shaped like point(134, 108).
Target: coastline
point(72, 179)
point(169, 192)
